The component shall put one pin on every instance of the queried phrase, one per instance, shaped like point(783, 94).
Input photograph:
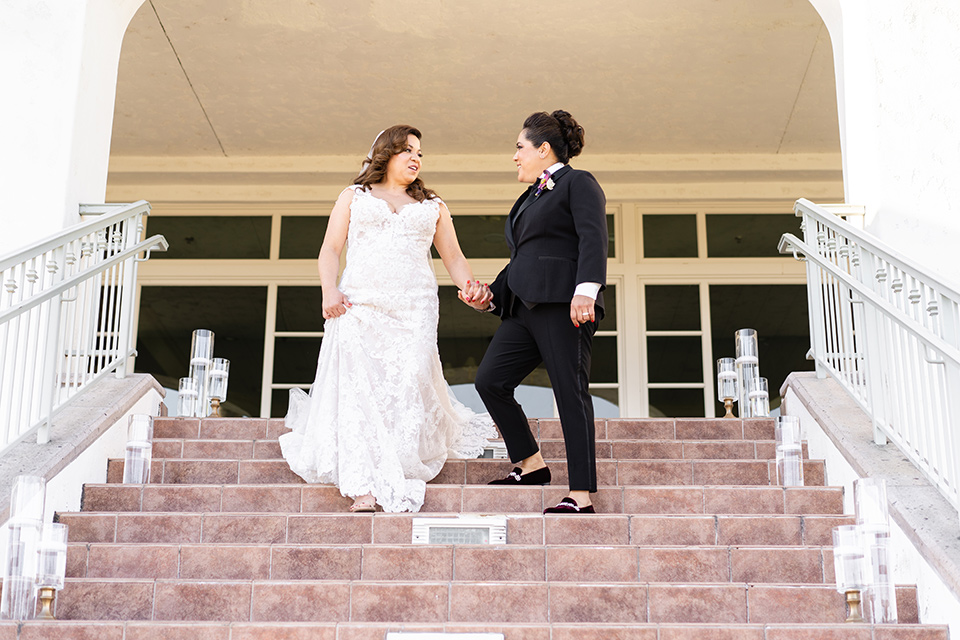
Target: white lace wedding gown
point(380, 418)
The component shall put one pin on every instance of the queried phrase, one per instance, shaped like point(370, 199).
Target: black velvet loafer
point(540, 476)
point(569, 505)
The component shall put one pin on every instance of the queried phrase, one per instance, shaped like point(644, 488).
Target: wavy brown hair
point(391, 142)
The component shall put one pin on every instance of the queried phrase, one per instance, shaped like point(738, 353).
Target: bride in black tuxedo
point(549, 297)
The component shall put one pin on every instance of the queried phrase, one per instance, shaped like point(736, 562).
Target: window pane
point(295, 360)
point(301, 236)
point(611, 231)
point(299, 309)
point(778, 313)
point(236, 315)
point(747, 235)
point(676, 403)
point(481, 236)
point(673, 307)
point(674, 359)
point(603, 365)
point(211, 237)
point(666, 236)
point(609, 322)
point(606, 403)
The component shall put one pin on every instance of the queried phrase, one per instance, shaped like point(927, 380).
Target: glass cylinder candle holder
point(748, 366)
point(139, 452)
point(758, 394)
point(52, 568)
point(21, 535)
point(187, 396)
point(879, 596)
point(217, 387)
point(201, 358)
point(727, 384)
point(870, 504)
point(849, 565)
point(789, 451)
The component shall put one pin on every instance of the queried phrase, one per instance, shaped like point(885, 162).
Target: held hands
point(581, 310)
point(335, 304)
point(476, 295)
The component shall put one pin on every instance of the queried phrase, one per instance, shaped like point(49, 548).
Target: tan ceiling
point(205, 84)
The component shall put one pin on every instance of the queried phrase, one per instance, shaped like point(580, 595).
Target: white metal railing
point(889, 331)
point(66, 315)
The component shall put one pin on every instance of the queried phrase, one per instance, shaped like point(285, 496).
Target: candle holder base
point(853, 604)
point(214, 407)
point(728, 405)
point(46, 596)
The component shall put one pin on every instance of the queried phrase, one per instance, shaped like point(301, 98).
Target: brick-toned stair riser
point(384, 528)
point(552, 449)
point(443, 601)
point(609, 472)
point(606, 429)
point(146, 630)
point(468, 498)
point(628, 563)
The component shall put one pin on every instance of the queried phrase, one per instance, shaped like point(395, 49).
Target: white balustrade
point(66, 315)
point(888, 331)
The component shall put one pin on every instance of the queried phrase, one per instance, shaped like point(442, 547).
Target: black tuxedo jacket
point(557, 240)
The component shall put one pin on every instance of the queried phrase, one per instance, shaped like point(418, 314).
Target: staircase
point(693, 540)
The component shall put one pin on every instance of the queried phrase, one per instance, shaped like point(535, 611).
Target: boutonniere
point(547, 184)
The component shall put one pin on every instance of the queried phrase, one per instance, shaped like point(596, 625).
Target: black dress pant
point(524, 339)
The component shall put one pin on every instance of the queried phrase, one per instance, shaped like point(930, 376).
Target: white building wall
point(898, 88)
point(58, 60)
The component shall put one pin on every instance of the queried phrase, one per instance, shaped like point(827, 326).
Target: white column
point(58, 77)
point(898, 91)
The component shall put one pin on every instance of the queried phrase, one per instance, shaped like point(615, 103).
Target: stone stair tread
point(117, 630)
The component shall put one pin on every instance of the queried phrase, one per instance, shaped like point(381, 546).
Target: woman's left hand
point(582, 310)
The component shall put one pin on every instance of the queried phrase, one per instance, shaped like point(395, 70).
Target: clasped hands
point(476, 295)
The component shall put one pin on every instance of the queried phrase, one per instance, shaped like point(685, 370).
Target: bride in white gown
point(380, 420)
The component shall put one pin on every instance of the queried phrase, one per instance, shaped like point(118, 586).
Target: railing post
point(48, 371)
point(815, 299)
point(129, 270)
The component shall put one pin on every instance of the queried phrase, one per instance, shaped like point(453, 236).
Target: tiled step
point(407, 562)
point(606, 429)
point(552, 449)
point(306, 498)
point(396, 528)
point(445, 601)
point(146, 630)
point(482, 470)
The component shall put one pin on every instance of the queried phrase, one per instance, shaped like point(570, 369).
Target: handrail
point(804, 206)
point(888, 331)
point(157, 242)
point(790, 243)
point(77, 231)
point(66, 315)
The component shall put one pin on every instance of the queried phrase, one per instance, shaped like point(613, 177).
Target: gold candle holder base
point(46, 596)
point(215, 407)
point(853, 604)
point(728, 405)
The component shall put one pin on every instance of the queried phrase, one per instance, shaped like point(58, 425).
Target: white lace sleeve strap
point(356, 188)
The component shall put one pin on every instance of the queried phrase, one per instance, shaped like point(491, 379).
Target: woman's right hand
point(335, 304)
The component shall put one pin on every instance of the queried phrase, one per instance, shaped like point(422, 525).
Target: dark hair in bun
point(559, 129)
